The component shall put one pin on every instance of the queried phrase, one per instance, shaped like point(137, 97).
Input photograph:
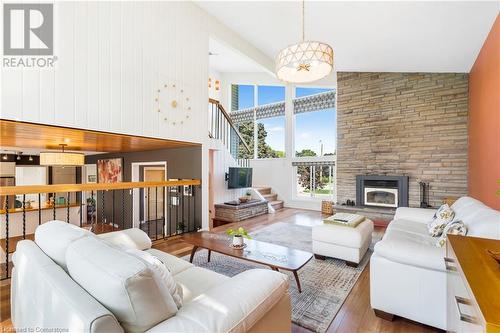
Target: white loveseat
point(44, 295)
point(407, 270)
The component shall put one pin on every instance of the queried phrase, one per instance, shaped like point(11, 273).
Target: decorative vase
point(237, 241)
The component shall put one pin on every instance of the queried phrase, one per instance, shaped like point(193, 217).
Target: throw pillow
point(162, 272)
point(453, 228)
point(443, 216)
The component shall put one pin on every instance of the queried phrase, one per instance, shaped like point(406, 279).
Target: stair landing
point(271, 197)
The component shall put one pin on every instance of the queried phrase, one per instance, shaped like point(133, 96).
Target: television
point(239, 178)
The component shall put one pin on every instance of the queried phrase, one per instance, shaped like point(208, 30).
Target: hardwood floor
point(355, 315)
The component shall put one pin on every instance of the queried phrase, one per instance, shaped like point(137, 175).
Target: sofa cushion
point(420, 215)
point(195, 281)
point(234, 306)
point(411, 249)
point(174, 264)
point(133, 238)
point(481, 220)
point(409, 226)
point(122, 283)
point(169, 288)
point(54, 237)
point(44, 296)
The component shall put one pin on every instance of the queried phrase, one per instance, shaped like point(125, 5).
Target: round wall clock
point(173, 103)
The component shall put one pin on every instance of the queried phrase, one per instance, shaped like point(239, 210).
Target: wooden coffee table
point(275, 256)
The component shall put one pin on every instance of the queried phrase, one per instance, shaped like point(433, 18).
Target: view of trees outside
point(271, 139)
point(245, 101)
point(314, 180)
point(270, 131)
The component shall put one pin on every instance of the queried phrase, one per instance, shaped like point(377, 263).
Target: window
point(315, 126)
point(315, 180)
point(243, 98)
point(271, 129)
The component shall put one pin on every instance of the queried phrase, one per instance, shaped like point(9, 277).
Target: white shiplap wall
point(112, 57)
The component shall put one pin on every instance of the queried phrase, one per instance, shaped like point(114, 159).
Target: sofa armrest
point(132, 238)
point(234, 306)
point(422, 215)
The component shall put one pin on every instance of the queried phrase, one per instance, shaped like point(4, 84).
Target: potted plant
point(246, 197)
point(238, 236)
point(91, 201)
point(180, 227)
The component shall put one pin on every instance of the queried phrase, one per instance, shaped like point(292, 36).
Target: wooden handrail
point(230, 121)
point(33, 189)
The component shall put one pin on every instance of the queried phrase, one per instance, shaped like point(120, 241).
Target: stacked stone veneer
point(241, 212)
point(412, 124)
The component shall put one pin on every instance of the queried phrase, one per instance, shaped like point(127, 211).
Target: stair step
point(270, 197)
point(277, 204)
point(264, 190)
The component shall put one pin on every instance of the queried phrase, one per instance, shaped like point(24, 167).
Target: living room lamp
point(61, 158)
point(306, 61)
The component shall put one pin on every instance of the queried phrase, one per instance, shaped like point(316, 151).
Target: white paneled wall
point(111, 59)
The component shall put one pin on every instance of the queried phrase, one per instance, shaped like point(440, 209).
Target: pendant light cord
point(303, 20)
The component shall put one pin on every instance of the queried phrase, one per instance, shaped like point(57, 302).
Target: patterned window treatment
point(317, 163)
point(310, 103)
point(315, 102)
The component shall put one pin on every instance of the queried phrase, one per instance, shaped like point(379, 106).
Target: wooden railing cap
point(33, 189)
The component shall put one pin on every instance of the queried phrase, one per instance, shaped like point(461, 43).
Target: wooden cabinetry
point(473, 285)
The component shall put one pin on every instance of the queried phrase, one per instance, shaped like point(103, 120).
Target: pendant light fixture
point(306, 61)
point(61, 158)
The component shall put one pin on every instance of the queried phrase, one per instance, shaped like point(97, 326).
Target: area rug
point(325, 283)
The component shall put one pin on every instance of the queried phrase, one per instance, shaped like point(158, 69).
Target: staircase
point(221, 127)
point(271, 197)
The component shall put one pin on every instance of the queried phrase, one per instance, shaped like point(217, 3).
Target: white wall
point(279, 174)
point(212, 92)
point(222, 161)
point(112, 59)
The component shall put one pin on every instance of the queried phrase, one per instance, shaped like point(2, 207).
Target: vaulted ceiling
point(391, 36)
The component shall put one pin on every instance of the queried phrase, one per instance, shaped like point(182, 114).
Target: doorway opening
point(149, 206)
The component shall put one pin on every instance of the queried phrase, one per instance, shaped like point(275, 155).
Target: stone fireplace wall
point(412, 124)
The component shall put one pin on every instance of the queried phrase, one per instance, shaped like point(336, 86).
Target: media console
point(225, 213)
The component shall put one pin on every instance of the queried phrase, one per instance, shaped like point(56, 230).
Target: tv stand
point(225, 213)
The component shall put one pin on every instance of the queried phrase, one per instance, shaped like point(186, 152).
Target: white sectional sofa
point(45, 296)
point(407, 270)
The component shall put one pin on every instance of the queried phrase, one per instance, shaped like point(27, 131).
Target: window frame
point(311, 197)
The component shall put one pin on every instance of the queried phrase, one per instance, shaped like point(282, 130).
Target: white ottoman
point(338, 241)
